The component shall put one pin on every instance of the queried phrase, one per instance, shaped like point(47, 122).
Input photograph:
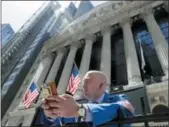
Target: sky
point(17, 13)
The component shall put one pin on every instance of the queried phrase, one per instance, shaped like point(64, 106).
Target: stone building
point(127, 40)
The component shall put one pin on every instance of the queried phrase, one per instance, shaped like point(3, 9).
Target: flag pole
point(142, 55)
point(78, 70)
point(144, 85)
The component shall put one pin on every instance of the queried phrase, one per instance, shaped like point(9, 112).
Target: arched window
point(160, 109)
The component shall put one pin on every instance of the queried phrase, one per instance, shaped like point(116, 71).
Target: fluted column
point(67, 70)
point(28, 119)
point(159, 41)
point(44, 68)
point(106, 54)
point(85, 62)
point(133, 72)
point(15, 121)
point(55, 67)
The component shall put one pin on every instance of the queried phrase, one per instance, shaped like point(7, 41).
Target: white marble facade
point(103, 18)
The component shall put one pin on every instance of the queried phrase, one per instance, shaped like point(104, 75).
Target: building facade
point(127, 40)
point(7, 32)
point(22, 53)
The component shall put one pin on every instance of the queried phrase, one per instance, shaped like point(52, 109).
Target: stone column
point(28, 119)
point(85, 62)
point(106, 54)
point(46, 64)
point(15, 121)
point(159, 41)
point(55, 67)
point(133, 72)
point(62, 86)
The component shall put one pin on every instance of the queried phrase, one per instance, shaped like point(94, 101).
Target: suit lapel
point(105, 99)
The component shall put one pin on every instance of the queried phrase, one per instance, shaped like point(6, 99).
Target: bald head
point(97, 75)
point(94, 83)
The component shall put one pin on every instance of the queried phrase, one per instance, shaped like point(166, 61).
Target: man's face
point(90, 87)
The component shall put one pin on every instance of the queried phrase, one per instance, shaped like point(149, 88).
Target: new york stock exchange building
point(127, 40)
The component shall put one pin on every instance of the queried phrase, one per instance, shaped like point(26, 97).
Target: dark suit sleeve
point(46, 121)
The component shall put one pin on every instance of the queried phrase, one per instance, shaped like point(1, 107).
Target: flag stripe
point(74, 80)
point(31, 98)
point(30, 95)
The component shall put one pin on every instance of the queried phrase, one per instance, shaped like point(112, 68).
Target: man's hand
point(47, 110)
point(61, 106)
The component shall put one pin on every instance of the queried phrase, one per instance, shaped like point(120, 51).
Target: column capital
point(146, 11)
point(166, 5)
point(125, 20)
point(61, 50)
point(106, 29)
point(91, 37)
point(75, 45)
point(46, 55)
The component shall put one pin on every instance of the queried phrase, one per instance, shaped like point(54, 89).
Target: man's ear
point(101, 86)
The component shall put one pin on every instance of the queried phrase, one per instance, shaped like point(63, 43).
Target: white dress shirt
point(88, 113)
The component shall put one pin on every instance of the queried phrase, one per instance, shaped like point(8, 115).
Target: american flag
point(73, 81)
point(30, 95)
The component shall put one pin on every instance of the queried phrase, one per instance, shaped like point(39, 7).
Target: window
point(12, 77)
point(161, 17)
point(149, 53)
point(164, 28)
point(118, 60)
point(21, 63)
point(33, 45)
point(6, 86)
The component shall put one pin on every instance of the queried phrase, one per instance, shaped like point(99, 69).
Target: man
point(101, 106)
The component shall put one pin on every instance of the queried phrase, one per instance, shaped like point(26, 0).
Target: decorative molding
point(125, 20)
point(146, 11)
point(135, 78)
point(108, 13)
point(22, 112)
point(91, 37)
point(61, 50)
point(106, 29)
point(75, 45)
point(46, 56)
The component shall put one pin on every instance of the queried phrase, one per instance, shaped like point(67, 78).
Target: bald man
point(101, 107)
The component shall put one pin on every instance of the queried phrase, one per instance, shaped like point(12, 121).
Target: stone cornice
point(106, 14)
point(22, 112)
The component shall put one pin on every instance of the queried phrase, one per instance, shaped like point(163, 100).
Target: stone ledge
point(133, 86)
point(22, 112)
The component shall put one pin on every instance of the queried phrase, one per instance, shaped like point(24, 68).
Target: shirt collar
point(100, 99)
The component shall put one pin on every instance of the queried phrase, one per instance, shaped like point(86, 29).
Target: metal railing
point(164, 117)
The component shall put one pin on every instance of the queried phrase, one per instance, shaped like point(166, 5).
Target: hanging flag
point(30, 95)
point(74, 80)
point(142, 56)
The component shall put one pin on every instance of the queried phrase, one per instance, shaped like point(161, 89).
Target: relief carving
point(135, 78)
point(101, 15)
point(157, 99)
